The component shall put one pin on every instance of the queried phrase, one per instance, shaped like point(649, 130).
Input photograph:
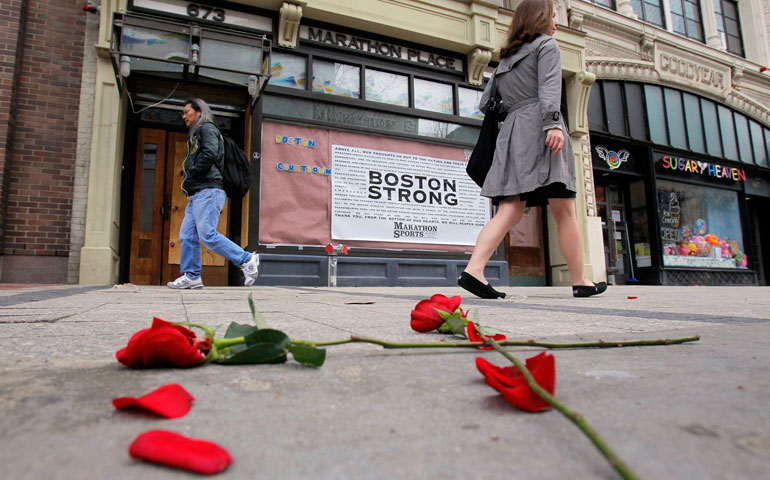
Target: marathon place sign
point(380, 48)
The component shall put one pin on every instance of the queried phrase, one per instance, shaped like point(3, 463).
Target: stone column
point(578, 91)
point(625, 7)
point(99, 257)
point(710, 24)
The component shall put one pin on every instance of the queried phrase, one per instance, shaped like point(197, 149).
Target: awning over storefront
point(189, 51)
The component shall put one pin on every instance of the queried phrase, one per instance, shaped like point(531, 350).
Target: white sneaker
point(250, 270)
point(184, 282)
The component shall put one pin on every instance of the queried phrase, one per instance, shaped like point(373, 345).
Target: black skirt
point(539, 196)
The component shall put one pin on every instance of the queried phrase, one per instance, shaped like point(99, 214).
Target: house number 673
point(204, 12)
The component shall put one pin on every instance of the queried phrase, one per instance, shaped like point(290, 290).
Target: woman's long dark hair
point(206, 116)
point(530, 19)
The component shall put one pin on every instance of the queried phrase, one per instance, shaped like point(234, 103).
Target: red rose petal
point(170, 401)
point(474, 336)
point(178, 451)
point(510, 382)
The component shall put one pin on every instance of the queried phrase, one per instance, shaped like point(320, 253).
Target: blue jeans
point(200, 226)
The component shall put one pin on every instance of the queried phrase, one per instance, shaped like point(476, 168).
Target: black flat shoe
point(474, 285)
point(587, 291)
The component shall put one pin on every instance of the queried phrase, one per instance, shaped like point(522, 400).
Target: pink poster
point(296, 180)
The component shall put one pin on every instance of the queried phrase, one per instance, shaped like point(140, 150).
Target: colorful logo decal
point(613, 159)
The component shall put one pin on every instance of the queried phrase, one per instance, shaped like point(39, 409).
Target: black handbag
point(484, 152)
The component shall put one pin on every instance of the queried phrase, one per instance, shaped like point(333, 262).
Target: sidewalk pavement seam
point(700, 318)
point(38, 295)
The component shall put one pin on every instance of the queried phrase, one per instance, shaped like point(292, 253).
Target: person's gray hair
point(206, 116)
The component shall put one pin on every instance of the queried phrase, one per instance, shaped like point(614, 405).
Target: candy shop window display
point(700, 226)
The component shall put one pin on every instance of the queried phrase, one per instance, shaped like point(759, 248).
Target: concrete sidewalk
point(698, 410)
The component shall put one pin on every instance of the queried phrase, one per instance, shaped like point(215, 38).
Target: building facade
point(42, 52)
point(679, 122)
point(360, 137)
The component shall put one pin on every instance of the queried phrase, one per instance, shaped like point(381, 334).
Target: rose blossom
point(162, 345)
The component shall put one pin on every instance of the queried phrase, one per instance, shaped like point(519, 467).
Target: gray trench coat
point(529, 83)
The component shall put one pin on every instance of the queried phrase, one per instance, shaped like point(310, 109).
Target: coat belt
point(516, 106)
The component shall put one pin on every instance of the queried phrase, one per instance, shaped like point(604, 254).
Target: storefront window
point(387, 87)
point(635, 104)
point(675, 117)
point(649, 11)
point(729, 25)
point(685, 16)
point(711, 127)
point(767, 143)
point(700, 226)
point(744, 140)
point(336, 79)
point(596, 109)
point(469, 102)
point(288, 70)
point(433, 96)
point(727, 128)
point(616, 116)
point(656, 114)
point(694, 126)
point(760, 154)
point(156, 44)
point(453, 131)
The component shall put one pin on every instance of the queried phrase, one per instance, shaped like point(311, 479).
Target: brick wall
point(11, 29)
point(41, 165)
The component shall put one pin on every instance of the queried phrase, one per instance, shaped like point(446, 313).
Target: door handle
point(172, 244)
point(162, 210)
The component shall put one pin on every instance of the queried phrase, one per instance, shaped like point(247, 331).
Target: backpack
point(236, 176)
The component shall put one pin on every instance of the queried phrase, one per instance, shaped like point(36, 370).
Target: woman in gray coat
point(533, 163)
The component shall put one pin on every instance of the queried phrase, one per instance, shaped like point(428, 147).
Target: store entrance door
point(610, 201)
point(158, 210)
point(760, 236)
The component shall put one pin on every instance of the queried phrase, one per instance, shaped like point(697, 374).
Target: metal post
point(334, 251)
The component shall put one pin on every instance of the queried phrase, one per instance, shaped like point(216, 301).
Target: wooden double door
point(158, 209)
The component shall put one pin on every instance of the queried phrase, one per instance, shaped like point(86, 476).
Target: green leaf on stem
point(259, 320)
point(274, 337)
point(235, 330)
point(239, 330)
point(444, 315)
point(487, 331)
point(261, 346)
point(257, 353)
point(444, 328)
point(457, 324)
point(308, 355)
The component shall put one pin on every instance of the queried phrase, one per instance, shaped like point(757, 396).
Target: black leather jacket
point(204, 163)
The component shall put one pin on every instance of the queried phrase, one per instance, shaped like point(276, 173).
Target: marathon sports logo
point(414, 230)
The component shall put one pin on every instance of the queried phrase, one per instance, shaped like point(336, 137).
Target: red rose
point(174, 450)
point(162, 345)
point(425, 317)
point(510, 382)
point(474, 335)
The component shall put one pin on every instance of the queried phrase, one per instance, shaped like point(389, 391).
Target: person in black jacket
point(202, 184)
